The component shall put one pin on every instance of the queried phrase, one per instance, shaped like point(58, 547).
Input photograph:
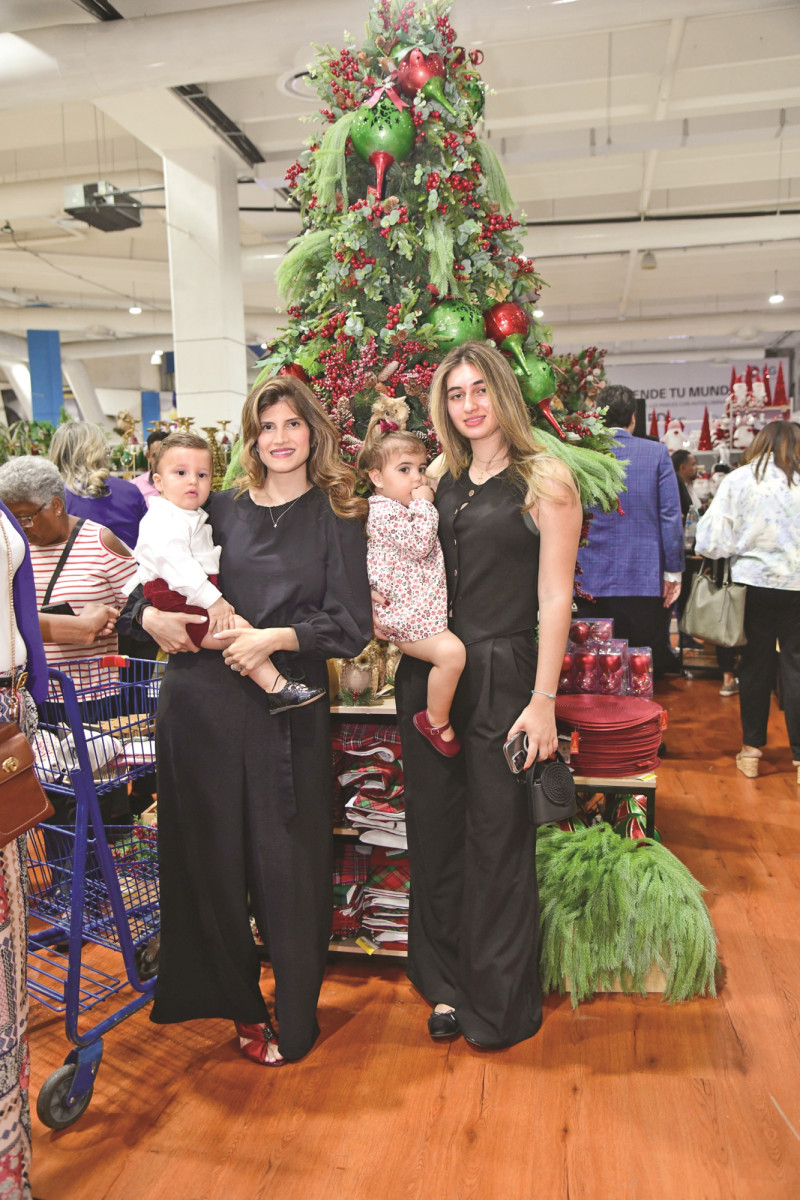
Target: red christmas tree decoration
point(748, 378)
point(767, 385)
point(780, 388)
point(667, 420)
point(654, 425)
point(704, 441)
point(733, 378)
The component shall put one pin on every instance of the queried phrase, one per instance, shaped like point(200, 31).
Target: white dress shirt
point(178, 547)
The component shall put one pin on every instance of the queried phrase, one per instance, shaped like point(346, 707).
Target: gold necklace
point(486, 471)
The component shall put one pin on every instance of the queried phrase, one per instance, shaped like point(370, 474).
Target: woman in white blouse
point(754, 520)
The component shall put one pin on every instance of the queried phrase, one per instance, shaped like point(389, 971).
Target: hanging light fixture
point(649, 261)
point(777, 296)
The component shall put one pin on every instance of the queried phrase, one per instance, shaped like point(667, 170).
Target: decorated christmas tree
point(409, 246)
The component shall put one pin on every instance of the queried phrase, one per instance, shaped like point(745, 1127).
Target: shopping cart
point(90, 882)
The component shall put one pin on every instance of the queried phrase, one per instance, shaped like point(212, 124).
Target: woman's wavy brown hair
point(535, 470)
point(781, 440)
point(325, 468)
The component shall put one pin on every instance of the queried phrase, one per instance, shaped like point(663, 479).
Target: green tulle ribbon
point(298, 271)
point(611, 909)
point(496, 185)
point(600, 477)
point(331, 162)
point(437, 238)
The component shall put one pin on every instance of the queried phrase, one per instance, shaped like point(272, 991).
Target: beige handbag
point(714, 611)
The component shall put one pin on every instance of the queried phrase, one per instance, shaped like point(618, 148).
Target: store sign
point(685, 389)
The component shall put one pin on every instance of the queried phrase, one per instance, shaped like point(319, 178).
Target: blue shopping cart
point(91, 882)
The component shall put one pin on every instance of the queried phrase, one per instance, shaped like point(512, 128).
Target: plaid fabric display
point(370, 783)
point(386, 900)
point(350, 869)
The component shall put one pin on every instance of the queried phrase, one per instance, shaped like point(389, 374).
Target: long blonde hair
point(779, 440)
point(80, 452)
point(537, 471)
point(324, 467)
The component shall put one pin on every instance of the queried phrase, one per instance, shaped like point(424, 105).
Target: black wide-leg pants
point(474, 920)
point(770, 614)
point(244, 808)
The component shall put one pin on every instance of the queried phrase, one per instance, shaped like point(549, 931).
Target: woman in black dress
point(244, 796)
point(509, 524)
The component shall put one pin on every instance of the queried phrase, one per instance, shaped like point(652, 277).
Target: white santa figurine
point(675, 437)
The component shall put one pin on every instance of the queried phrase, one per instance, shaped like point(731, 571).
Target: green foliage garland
point(611, 908)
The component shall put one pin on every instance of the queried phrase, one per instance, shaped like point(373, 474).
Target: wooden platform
point(621, 1099)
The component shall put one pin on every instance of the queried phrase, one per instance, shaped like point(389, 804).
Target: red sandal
point(254, 1043)
point(433, 733)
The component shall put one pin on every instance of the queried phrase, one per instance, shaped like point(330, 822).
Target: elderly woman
point(754, 520)
point(80, 452)
point(84, 587)
point(79, 570)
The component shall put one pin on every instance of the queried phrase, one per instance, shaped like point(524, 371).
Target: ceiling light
point(538, 313)
point(134, 310)
point(155, 360)
point(263, 347)
point(777, 294)
point(649, 261)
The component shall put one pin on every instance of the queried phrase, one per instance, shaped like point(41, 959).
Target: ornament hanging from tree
point(423, 73)
point(508, 326)
point(537, 382)
point(382, 134)
point(455, 322)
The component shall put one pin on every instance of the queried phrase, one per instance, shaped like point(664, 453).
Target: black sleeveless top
point(491, 556)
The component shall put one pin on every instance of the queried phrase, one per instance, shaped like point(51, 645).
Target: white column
point(206, 283)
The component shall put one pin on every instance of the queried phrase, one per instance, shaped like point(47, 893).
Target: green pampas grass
point(495, 176)
point(437, 240)
point(298, 272)
point(331, 162)
point(600, 477)
point(611, 908)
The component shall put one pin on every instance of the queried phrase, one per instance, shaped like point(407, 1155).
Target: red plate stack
point(617, 735)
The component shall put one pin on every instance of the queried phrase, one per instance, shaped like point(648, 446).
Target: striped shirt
point(92, 574)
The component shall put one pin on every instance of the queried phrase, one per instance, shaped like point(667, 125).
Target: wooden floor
point(621, 1098)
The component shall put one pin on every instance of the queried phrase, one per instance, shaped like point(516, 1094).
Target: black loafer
point(443, 1025)
point(292, 695)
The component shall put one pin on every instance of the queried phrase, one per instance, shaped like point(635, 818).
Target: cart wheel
point(51, 1104)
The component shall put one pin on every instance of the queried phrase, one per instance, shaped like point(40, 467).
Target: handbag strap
point(62, 561)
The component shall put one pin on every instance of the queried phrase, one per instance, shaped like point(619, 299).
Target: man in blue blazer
point(633, 562)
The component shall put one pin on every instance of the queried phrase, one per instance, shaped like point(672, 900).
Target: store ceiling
point(623, 127)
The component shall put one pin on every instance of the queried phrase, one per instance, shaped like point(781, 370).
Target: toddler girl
point(178, 561)
point(406, 566)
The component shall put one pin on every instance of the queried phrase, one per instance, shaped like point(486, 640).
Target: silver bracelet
point(536, 692)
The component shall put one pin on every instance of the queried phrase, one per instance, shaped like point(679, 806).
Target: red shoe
point(254, 1042)
point(433, 733)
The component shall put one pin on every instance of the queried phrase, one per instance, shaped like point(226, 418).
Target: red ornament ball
point(579, 632)
point(294, 369)
point(501, 320)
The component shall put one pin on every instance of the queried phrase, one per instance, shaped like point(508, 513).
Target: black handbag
point(550, 789)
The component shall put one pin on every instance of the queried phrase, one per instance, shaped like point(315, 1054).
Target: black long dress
point(474, 919)
point(244, 798)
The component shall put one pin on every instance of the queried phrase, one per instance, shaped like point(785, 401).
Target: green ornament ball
point(537, 381)
point(455, 322)
point(476, 98)
point(383, 129)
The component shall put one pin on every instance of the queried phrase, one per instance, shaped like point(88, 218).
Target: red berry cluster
point(524, 265)
point(293, 172)
point(451, 142)
point(461, 183)
point(433, 181)
point(332, 324)
point(458, 271)
point(294, 310)
point(392, 316)
point(406, 13)
point(446, 31)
